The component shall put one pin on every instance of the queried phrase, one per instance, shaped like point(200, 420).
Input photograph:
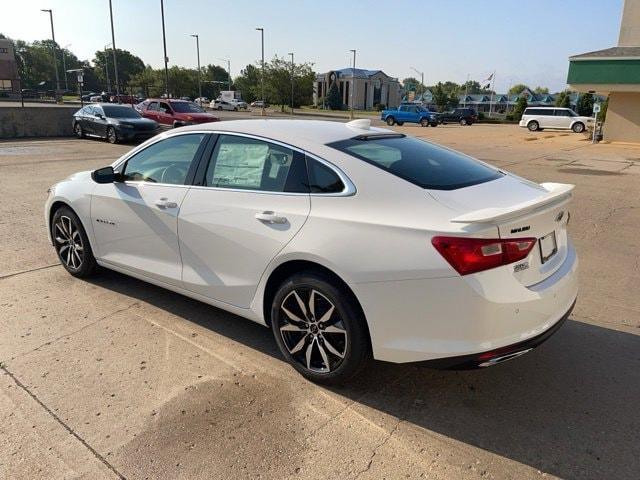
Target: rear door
point(250, 199)
point(563, 118)
point(165, 114)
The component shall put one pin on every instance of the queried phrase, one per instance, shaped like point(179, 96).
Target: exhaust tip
point(504, 358)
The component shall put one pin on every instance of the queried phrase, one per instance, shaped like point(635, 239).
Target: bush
point(480, 115)
point(509, 117)
point(380, 106)
point(334, 99)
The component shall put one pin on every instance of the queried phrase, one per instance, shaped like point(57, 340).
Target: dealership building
point(9, 78)
point(370, 88)
point(615, 72)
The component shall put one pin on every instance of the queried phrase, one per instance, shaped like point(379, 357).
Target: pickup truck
point(410, 113)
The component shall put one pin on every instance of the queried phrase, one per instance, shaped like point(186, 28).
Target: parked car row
point(174, 113)
point(113, 123)
point(414, 113)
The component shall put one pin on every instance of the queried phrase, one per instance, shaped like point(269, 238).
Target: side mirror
point(99, 115)
point(104, 175)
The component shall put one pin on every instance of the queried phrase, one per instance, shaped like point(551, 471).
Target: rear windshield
point(186, 107)
point(119, 111)
point(421, 163)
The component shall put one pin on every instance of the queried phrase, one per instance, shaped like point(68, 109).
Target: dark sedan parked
point(463, 116)
point(113, 122)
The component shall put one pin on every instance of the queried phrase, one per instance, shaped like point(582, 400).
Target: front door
point(165, 114)
point(135, 221)
point(252, 200)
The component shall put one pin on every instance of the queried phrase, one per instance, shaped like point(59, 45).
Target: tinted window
point(186, 107)
point(421, 163)
point(322, 179)
point(564, 113)
point(252, 164)
point(120, 111)
point(164, 108)
point(98, 110)
point(167, 161)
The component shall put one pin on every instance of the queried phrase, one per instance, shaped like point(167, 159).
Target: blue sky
point(526, 42)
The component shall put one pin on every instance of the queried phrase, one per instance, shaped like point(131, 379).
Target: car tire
point(424, 122)
point(578, 127)
point(71, 243)
point(235, 109)
point(463, 122)
point(533, 126)
point(112, 136)
point(328, 345)
point(434, 124)
point(390, 121)
point(77, 129)
point(400, 123)
point(219, 108)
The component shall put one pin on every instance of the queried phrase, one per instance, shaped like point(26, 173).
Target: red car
point(176, 113)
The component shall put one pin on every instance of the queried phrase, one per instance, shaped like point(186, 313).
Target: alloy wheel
point(111, 135)
point(69, 242)
point(312, 330)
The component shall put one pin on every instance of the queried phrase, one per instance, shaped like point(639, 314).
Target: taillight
point(471, 255)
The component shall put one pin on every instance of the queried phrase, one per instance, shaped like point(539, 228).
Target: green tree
point(521, 104)
point(411, 84)
point(443, 97)
point(277, 82)
point(248, 82)
point(473, 87)
point(129, 66)
point(334, 99)
point(518, 89)
point(585, 104)
point(541, 90)
point(563, 99)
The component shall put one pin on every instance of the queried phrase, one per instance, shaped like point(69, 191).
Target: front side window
point(166, 161)
point(164, 108)
point(252, 164)
point(153, 106)
point(421, 163)
point(186, 107)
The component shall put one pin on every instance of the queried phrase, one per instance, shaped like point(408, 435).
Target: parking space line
point(13, 274)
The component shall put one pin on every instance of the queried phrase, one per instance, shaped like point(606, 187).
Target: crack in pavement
point(378, 447)
point(13, 274)
point(62, 423)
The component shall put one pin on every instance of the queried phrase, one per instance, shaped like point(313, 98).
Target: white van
point(539, 118)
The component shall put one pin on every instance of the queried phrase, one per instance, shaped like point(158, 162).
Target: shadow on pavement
point(570, 408)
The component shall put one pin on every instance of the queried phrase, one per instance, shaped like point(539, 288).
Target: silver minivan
point(539, 118)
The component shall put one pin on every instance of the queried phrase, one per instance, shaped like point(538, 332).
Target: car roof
point(168, 100)
point(304, 134)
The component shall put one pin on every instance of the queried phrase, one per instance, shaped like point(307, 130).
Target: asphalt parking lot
point(115, 378)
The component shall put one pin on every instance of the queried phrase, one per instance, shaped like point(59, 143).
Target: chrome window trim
point(349, 187)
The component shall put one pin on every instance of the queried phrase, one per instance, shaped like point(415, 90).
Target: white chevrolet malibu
point(350, 242)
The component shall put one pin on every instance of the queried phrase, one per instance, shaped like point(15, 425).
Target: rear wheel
point(77, 129)
point(391, 121)
point(434, 124)
point(112, 137)
point(578, 127)
point(463, 121)
point(220, 108)
point(319, 328)
point(424, 122)
point(71, 243)
point(400, 124)
point(533, 126)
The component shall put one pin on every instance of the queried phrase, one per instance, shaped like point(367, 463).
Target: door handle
point(270, 217)
point(164, 203)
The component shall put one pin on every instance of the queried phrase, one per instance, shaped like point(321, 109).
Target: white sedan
point(349, 242)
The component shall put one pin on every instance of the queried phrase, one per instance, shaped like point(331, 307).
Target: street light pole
point(199, 72)
point(228, 71)
point(115, 61)
point(292, 78)
point(106, 67)
point(262, 112)
point(55, 61)
point(64, 66)
point(166, 60)
point(422, 89)
point(353, 82)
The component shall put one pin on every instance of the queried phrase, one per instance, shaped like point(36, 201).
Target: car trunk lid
point(519, 209)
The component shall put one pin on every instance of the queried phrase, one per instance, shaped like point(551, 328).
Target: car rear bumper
point(440, 318)
point(130, 134)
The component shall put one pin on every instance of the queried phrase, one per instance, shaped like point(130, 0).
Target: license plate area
point(548, 246)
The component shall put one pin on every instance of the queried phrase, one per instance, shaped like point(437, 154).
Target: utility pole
point(166, 60)
point(292, 79)
point(261, 30)
point(199, 72)
point(106, 67)
point(64, 67)
point(353, 83)
point(228, 72)
point(55, 61)
point(115, 61)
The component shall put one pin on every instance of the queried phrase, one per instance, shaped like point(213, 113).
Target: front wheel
point(434, 124)
point(77, 129)
point(71, 243)
point(424, 122)
point(112, 137)
point(533, 126)
point(400, 124)
point(390, 121)
point(319, 328)
point(578, 127)
point(463, 121)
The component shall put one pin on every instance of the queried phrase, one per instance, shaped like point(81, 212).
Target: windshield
point(186, 107)
point(119, 111)
point(421, 163)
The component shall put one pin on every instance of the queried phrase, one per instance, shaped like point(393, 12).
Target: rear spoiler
point(556, 193)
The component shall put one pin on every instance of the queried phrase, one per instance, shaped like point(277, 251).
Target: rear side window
point(322, 179)
point(421, 163)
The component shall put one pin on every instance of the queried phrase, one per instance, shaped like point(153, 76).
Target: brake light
point(471, 255)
